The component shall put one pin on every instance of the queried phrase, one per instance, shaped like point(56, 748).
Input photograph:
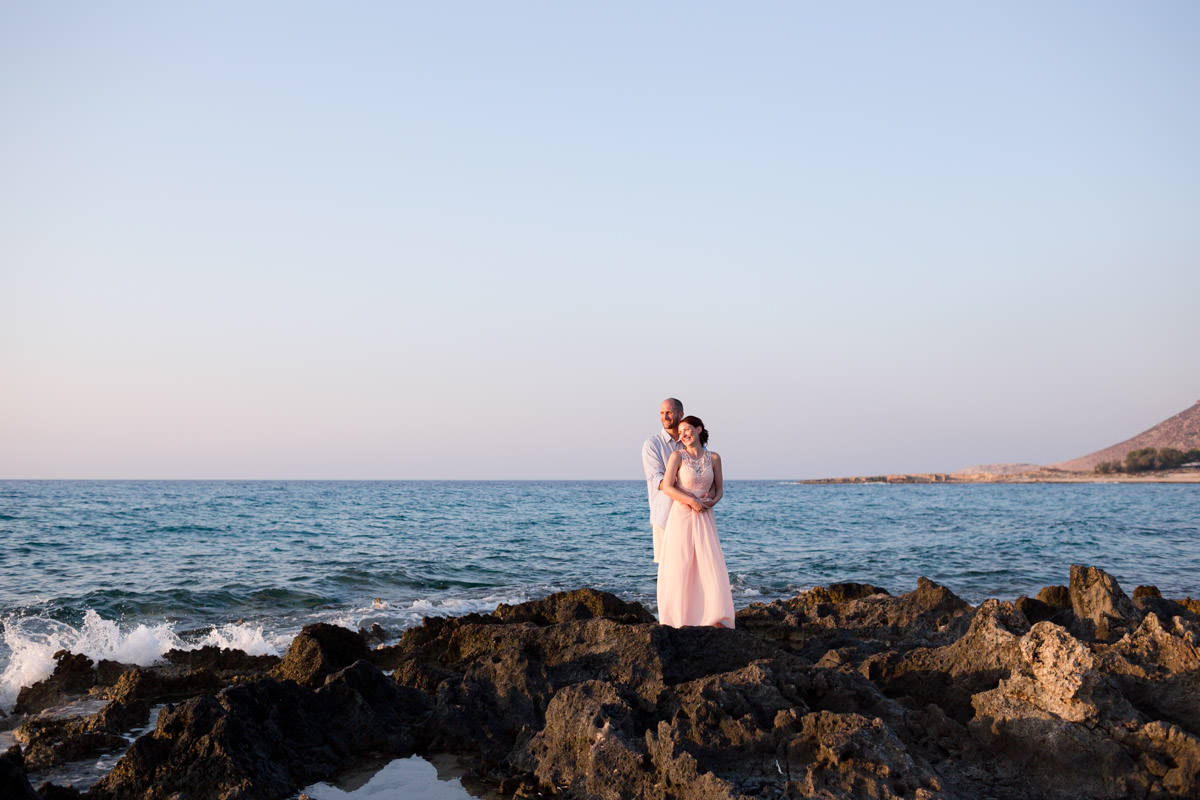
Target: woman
point(693, 585)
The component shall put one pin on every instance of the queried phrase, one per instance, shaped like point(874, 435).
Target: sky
point(484, 241)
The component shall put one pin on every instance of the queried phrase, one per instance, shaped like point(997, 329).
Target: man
point(655, 452)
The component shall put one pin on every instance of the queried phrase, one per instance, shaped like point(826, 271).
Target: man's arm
point(652, 464)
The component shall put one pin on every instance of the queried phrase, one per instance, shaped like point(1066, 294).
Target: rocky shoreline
point(843, 691)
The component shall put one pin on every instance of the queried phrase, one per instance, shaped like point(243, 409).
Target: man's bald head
point(670, 412)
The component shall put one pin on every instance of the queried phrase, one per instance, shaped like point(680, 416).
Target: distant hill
point(1181, 432)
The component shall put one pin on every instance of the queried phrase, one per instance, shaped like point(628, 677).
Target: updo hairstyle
point(696, 422)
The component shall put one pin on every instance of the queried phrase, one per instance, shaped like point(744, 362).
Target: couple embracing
point(684, 482)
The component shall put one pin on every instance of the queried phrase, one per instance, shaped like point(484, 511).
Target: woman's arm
point(670, 485)
point(718, 488)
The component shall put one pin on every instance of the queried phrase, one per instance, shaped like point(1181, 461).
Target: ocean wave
point(457, 606)
point(242, 636)
point(32, 641)
point(407, 614)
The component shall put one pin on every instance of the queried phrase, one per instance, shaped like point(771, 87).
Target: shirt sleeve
point(652, 463)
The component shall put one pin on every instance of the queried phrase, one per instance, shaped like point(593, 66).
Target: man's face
point(669, 415)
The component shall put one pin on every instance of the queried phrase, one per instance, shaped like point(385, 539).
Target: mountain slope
point(1181, 432)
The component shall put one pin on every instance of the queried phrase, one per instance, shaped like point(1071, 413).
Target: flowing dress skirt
point(693, 584)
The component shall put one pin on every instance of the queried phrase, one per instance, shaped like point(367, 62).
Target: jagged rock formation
point(843, 691)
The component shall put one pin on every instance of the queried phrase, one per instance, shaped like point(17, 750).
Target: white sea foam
point(457, 606)
point(32, 642)
point(241, 636)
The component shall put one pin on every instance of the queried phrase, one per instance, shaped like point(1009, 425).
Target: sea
point(127, 570)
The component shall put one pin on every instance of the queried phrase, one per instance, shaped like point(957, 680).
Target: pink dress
point(693, 584)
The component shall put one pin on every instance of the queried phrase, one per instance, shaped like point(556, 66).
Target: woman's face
point(689, 435)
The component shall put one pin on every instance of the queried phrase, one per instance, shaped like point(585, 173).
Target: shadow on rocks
point(14, 784)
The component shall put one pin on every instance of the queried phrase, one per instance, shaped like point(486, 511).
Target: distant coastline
point(1165, 453)
point(1038, 476)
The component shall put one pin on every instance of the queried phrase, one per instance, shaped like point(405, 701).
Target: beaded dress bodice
point(695, 472)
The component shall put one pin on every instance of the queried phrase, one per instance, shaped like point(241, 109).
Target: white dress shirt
point(655, 452)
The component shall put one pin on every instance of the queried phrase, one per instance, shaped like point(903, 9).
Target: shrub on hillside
point(1141, 460)
point(1148, 459)
point(1169, 458)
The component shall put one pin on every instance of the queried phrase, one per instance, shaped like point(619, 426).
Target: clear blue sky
point(484, 240)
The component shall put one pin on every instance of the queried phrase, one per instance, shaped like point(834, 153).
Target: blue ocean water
point(128, 569)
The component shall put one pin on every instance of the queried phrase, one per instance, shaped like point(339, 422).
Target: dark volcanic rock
point(595, 707)
point(267, 739)
point(109, 672)
point(73, 675)
point(949, 676)
point(221, 661)
point(373, 635)
point(1161, 607)
point(567, 606)
point(839, 692)
point(52, 741)
point(56, 740)
point(14, 785)
point(1064, 720)
point(318, 651)
point(1034, 610)
point(1157, 667)
point(1101, 609)
point(757, 730)
point(860, 626)
point(579, 604)
point(142, 683)
point(136, 690)
point(52, 791)
point(1057, 597)
point(932, 608)
point(841, 592)
point(1052, 603)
